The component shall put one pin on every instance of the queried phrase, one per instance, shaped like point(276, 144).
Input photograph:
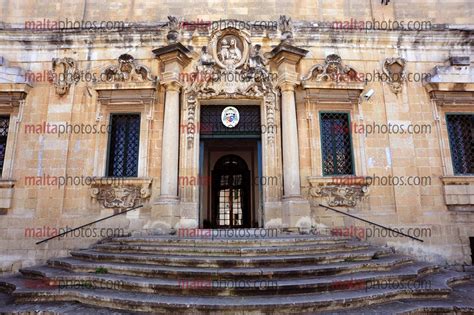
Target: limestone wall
point(83, 154)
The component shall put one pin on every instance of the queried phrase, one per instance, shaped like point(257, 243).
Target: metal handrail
point(367, 221)
point(80, 227)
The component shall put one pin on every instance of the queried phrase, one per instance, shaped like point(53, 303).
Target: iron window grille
point(124, 142)
point(461, 140)
point(4, 125)
point(336, 144)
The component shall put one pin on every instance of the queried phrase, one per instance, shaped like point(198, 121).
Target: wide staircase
point(242, 274)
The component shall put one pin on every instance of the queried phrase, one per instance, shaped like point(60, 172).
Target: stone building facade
point(230, 124)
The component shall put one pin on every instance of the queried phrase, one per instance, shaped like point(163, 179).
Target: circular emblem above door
point(230, 117)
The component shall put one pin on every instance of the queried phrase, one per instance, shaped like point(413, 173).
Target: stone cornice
point(286, 53)
point(333, 96)
point(333, 85)
point(452, 97)
point(457, 180)
point(11, 94)
point(174, 53)
point(304, 33)
point(126, 93)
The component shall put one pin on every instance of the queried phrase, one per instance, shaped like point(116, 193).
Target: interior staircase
point(290, 273)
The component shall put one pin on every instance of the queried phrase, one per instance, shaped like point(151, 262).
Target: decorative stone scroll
point(340, 196)
point(331, 70)
point(345, 191)
point(127, 70)
point(121, 196)
point(64, 70)
point(394, 69)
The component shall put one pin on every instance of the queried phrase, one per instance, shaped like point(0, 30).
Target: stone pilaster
point(166, 207)
point(296, 209)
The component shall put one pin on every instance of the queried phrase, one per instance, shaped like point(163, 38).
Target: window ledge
point(339, 180)
point(459, 192)
point(458, 179)
point(6, 193)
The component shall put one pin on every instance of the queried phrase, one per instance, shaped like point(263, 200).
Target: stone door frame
point(189, 155)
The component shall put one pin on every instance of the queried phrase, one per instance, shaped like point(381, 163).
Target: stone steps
point(186, 275)
point(281, 240)
point(234, 261)
point(284, 303)
point(142, 248)
point(151, 271)
point(217, 286)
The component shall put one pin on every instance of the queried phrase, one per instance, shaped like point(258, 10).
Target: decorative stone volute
point(126, 70)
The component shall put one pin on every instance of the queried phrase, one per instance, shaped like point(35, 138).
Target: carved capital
point(171, 81)
point(287, 81)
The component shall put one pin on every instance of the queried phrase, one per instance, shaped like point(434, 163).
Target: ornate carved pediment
point(126, 70)
point(332, 70)
point(230, 66)
point(65, 74)
point(394, 69)
point(126, 194)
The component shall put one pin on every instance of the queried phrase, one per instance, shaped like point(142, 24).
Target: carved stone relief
point(120, 197)
point(394, 69)
point(173, 29)
point(231, 67)
point(285, 27)
point(340, 195)
point(332, 70)
point(191, 130)
point(64, 70)
point(127, 70)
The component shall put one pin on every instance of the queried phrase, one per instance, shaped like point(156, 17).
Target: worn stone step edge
point(231, 260)
point(57, 279)
point(229, 304)
point(384, 263)
point(256, 251)
point(224, 242)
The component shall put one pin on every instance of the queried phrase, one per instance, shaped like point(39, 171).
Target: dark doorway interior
point(231, 193)
point(471, 241)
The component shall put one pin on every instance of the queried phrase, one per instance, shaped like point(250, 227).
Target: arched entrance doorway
point(231, 188)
